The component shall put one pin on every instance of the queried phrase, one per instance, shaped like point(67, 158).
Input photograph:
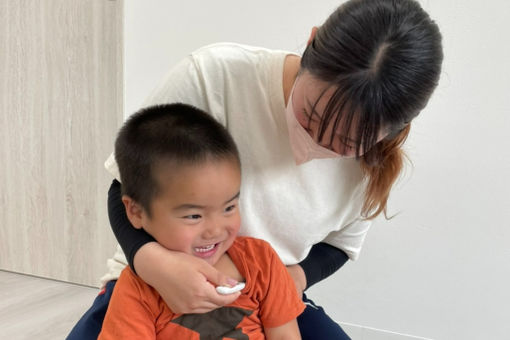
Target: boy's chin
point(213, 260)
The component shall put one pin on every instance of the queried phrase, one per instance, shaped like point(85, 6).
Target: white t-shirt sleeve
point(182, 84)
point(350, 238)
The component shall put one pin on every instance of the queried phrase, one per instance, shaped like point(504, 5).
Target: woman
point(320, 140)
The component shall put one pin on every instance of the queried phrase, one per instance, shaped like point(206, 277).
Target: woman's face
point(308, 92)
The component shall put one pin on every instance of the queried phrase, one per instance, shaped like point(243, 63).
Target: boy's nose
point(213, 229)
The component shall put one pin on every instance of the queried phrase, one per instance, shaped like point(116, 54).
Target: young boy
point(180, 173)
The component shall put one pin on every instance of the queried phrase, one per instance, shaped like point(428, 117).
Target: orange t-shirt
point(269, 299)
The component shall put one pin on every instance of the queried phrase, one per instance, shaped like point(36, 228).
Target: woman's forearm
point(129, 238)
point(322, 261)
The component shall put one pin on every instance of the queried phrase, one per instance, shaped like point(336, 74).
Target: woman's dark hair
point(176, 134)
point(384, 59)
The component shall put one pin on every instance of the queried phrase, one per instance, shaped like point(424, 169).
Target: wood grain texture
point(61, 106)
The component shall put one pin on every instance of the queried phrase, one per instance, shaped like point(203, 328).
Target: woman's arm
point(322, 261)
point(129, 238)
point(184, 282)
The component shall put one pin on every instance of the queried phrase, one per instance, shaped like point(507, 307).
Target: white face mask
point(303, 146)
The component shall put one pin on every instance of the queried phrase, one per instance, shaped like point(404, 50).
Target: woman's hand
point(298, 275)
point(186, 283)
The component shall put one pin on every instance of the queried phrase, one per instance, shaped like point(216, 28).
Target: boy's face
point(197, 209)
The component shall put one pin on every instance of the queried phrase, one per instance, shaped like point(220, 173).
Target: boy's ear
point(134, 211)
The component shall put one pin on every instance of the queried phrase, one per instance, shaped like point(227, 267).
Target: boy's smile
point(196, 210)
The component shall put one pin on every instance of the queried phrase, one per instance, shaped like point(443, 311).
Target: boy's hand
point(298, 275)
point(186, 283)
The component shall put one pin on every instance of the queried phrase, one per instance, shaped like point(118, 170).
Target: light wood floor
point(35, 308)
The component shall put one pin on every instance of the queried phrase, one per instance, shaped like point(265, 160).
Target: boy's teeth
point(204, 249)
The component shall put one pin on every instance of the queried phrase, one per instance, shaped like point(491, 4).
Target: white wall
point(441, 268)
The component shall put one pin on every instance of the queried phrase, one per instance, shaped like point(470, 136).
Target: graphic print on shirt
point(216, 324)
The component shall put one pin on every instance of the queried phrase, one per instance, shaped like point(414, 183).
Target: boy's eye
point(193, 217)
point(230, 208)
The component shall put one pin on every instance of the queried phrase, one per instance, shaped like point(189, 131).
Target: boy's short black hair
point(177, 133)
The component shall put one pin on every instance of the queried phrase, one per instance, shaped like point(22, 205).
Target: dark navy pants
point(89, 326)
point(314, 323)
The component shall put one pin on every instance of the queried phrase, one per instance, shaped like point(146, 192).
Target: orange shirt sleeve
point(132, 310)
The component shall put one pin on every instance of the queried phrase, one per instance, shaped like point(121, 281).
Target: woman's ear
point(134, 211)
point(312, 35)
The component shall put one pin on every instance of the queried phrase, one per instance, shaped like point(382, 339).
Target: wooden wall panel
point(61, 105)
